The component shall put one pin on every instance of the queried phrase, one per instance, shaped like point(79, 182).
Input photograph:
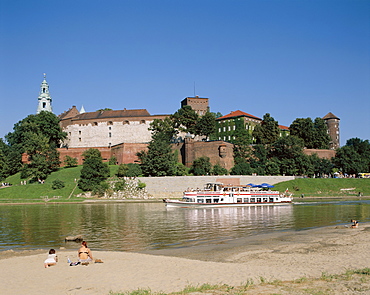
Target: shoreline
point(278, 256)
point(159, 200)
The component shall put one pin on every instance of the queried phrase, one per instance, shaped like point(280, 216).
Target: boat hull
point(180, 204)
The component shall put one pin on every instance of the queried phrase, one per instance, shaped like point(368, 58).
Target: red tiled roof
point(112, 114)
point(238, 113)
point(282, 127)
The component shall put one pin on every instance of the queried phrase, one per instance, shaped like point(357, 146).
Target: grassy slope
point(310, 187)
point(34, 192)
point(326, 187)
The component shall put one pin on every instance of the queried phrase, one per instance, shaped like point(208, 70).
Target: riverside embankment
point(174, 186)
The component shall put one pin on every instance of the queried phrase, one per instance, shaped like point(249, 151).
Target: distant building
point(332, 122)
point(198, 104)
point(44, 98)
point(106, 128)
point(226, 125)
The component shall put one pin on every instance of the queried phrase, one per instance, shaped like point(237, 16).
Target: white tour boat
point(220, 195)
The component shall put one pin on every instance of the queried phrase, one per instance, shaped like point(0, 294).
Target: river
point(148, 226)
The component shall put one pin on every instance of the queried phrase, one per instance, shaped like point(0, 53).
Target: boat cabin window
point(239, 200)
point(271, 200)
point(265, 200)
point(253, 200)
point(258, 200)
point(200, 201)
point(215, 200)
point(246, 200)
point(208, 200)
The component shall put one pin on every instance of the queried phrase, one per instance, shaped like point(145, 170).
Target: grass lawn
point(36, 192)
point(326, 187)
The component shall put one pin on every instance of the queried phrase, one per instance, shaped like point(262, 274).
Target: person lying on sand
point(52, 259)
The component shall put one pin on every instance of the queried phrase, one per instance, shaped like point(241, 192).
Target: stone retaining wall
point(174, 186)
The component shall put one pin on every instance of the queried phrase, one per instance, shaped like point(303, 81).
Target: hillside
point(326, 187)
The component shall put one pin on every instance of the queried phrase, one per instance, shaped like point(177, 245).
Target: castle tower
point(44, 98)
point(198, 104)
point(332, 122)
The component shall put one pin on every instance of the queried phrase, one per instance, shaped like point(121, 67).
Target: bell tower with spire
point(44, 98)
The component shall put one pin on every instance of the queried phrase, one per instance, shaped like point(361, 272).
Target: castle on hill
point(123, 133)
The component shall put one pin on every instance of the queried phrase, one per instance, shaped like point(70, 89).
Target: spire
point(44, 97)
point(82, 110)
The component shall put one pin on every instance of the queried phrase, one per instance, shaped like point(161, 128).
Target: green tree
point(70, 162)
point(4, 167)
point(314, 134)
point(201, 166)
point(268, 131)
point(159, 160)
point(122, 170)
point(288, 152)
point(185, 119)
point(112, 160)
point(259, 158)
point(206, 125)
point(242, 167)
point(322, 138)
point(94, 171)
point(129, 170)
point(218, 170)
point(105, 109)
point(38, 136)
point(348, 161)
point(241, 140)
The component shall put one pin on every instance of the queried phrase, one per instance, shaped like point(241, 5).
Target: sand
point(281, 256)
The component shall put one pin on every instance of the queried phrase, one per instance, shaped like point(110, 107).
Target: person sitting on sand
point(52, 259)
point(84, 253)
point(354, 223)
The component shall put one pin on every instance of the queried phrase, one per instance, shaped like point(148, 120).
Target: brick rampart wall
point(327, 154)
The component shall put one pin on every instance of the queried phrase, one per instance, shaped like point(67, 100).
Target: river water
point(148, 226)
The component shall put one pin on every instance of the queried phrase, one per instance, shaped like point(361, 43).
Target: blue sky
point(292, 59)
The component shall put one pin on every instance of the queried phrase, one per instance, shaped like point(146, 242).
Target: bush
point(218, 170)
point(129, 170)
point(70, 162)
point(57, 184)
point(100, 189)
point(141, 185)
point(112, 161)
point(120, 185)
point(201, 166)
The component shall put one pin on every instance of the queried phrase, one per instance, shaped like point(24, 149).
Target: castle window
point(110, 134)
point(142, 122)
point(43, 90)
point(95, 123)
point(44, 105)
point(79, 139)
point(126, 122)
point(79, 132)
point(110, 128)
point(110, 123)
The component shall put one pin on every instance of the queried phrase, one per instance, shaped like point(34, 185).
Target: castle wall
point(326, 154)
point(77, 153)
point(107, 132)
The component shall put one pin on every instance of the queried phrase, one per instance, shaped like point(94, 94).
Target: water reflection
point(141, 226)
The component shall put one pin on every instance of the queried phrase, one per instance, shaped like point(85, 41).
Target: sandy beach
point(278, 256)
